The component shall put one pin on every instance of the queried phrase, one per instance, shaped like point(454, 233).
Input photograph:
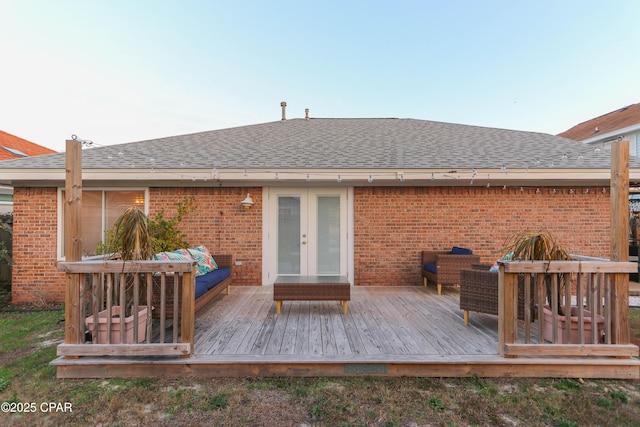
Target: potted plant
point(130, 237)
point(541, 246)
point(129, 240)
point(538, 246)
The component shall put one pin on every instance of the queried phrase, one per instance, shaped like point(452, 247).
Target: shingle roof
point(9, 143)
point(341, 143)
point(618, 119)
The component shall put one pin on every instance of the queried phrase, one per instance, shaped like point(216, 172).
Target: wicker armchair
point(447, 267)
point(479, 292)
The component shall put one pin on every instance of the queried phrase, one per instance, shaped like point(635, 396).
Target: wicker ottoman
point(311, 288)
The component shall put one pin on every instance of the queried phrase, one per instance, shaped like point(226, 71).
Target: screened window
point(100, 210)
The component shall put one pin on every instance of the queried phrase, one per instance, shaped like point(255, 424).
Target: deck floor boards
point(380, 321)
point(389, 331)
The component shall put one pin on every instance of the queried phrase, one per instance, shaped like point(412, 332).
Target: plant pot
point(115, 325)
point(575, 334)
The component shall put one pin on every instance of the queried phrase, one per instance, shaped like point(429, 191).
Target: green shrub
point(164, 233)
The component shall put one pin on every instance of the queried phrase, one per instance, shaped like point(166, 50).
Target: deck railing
point(152, 325)
point(599, 286)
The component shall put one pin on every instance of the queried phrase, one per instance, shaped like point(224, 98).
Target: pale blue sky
point(123, 71)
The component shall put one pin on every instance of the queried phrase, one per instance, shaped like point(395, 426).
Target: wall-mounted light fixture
point(247, 202)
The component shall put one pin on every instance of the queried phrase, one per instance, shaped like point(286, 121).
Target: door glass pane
point(289, 235)
point(328, 249)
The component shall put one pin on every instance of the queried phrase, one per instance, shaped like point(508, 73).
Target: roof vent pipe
point(284, 110)
point(306, 114)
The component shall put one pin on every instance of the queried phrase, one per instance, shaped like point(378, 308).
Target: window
point(100, 210)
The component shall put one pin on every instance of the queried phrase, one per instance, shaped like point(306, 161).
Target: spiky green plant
point(531, 245)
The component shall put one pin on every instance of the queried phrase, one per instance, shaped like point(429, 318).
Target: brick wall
point(393, 224)
point(35, 227)
point(219, 223)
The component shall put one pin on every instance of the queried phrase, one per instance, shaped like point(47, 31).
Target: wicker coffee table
point(311, 288)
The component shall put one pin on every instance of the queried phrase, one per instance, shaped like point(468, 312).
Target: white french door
point(307, 232)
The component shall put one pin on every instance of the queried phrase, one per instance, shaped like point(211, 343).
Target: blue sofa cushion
point(210, 280)
point(432, 268)
point(456, 250)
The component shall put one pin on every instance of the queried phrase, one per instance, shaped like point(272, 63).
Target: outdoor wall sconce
point(247, 202)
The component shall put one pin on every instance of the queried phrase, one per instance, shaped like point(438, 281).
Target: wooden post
point(507, 303)
point(620, 201)
point(74, 323)
point(620, 240)
point(188, 309)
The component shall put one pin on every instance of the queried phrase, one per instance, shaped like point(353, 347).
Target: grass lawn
point(28, 384)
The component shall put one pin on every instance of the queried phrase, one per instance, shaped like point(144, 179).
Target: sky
point(122, 71)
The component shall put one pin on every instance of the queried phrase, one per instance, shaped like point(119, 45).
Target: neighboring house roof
point(397, 146)
point(622, 118)
point(13, 147)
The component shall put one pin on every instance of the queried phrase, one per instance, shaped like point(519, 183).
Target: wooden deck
point(381, 321)
point(394, 331)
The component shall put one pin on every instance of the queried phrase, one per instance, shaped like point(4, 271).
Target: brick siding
point(35, 227)
point(219, 223)
point(392, 225)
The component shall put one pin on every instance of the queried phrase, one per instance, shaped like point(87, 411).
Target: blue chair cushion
point(210, 280)
point(432, 268)
point(456, 250)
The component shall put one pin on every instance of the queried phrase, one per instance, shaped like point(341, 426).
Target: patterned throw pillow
point(161, 256)
point(205, 251)
point(205, 262)
point(178, 255)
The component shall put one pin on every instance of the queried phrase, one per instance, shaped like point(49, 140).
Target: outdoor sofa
point(208, 285)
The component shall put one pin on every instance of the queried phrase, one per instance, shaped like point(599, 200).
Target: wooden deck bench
point(311, 288)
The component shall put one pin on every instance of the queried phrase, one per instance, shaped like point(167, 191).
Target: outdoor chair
point(479, 292)
point(443, 267)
